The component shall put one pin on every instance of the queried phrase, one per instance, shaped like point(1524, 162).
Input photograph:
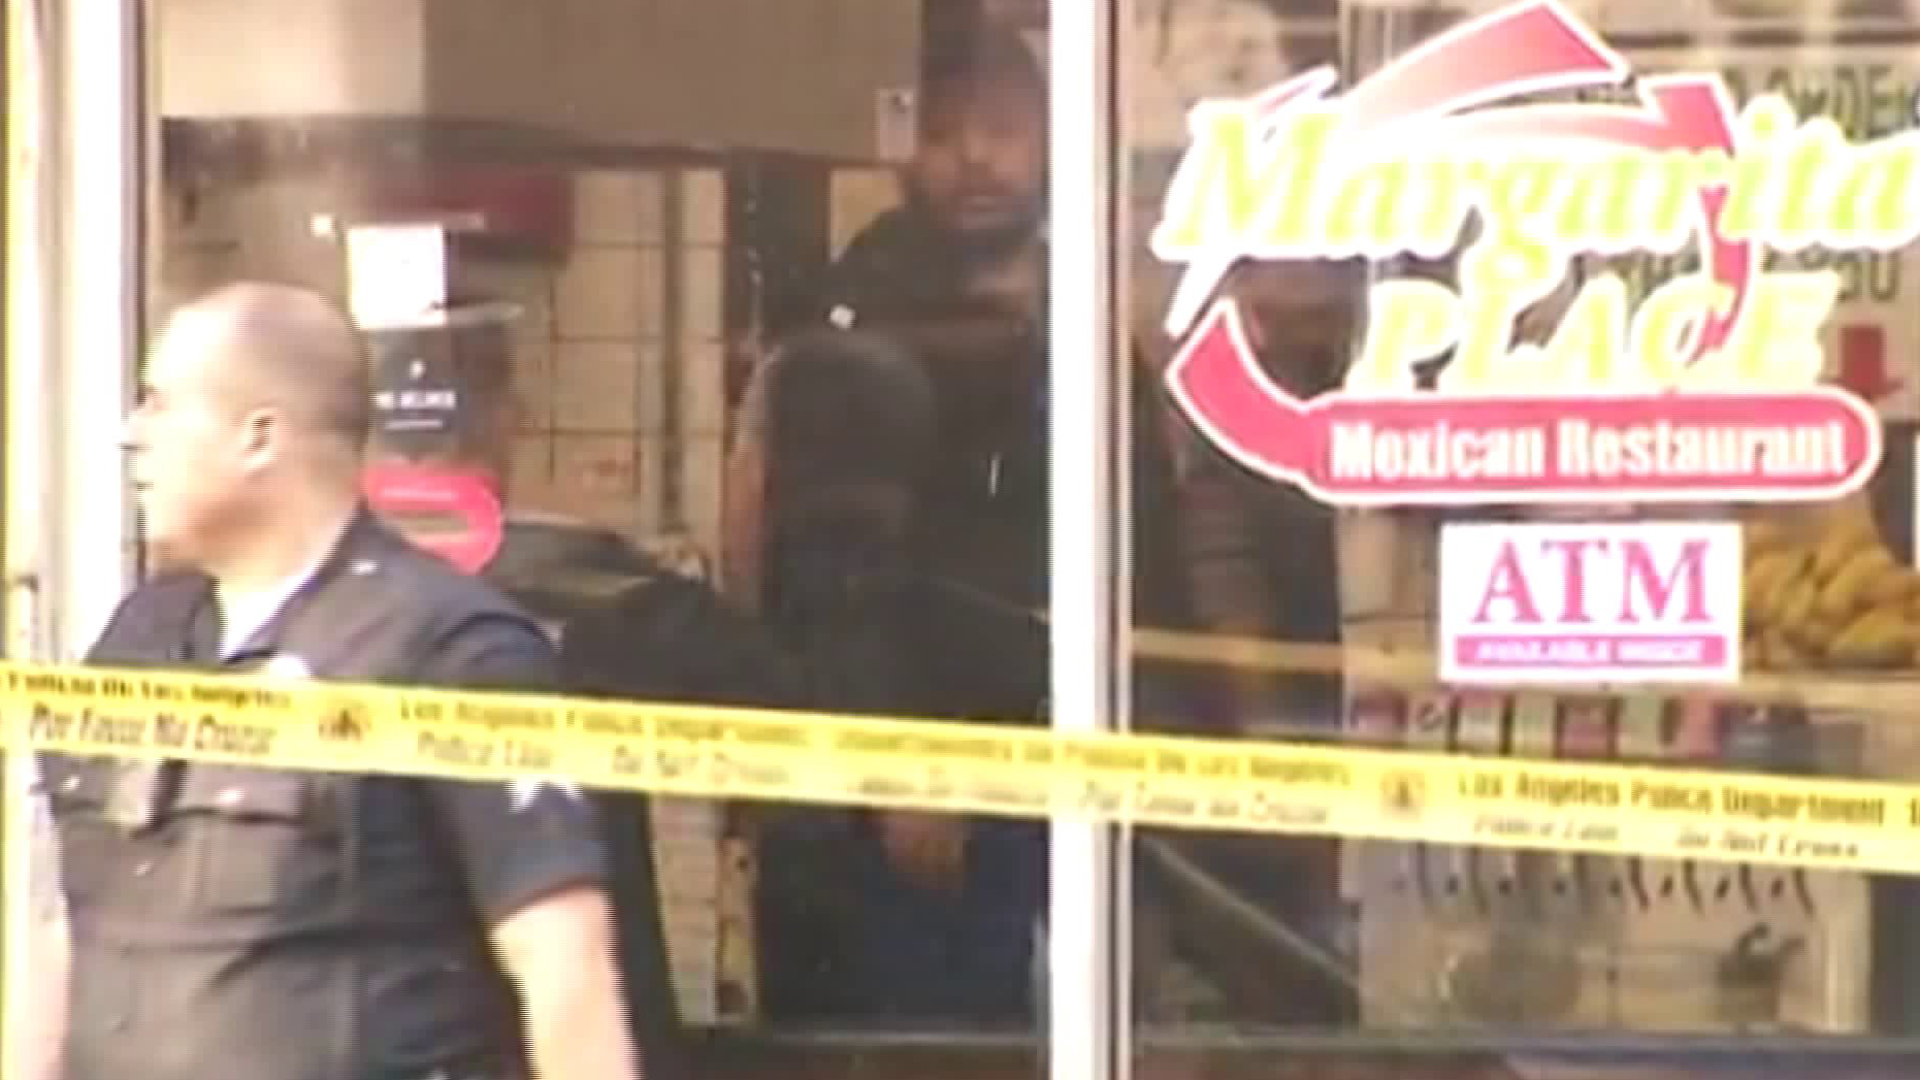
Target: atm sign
point(1585, 603)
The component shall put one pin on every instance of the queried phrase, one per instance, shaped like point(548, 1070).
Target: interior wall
point(825, 74)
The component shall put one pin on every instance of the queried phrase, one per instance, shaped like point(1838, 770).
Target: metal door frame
point(75, 225)
point(75, 99)
point(1090, 925)
point(74, 323)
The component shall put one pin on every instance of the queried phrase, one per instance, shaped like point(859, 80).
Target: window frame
point(1090, 924)
point(77, 217)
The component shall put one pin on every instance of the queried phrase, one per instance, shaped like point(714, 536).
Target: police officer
point(280, 925)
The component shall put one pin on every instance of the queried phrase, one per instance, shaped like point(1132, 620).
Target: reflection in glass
point(711, 334)
point(1258, 950)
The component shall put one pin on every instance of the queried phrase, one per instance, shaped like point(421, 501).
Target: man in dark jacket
point(445, 405)
point(912, 448)
point(957, 276)
point(883, 915)
point(232, 920)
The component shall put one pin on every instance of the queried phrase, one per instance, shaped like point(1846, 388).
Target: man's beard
point(982, 244)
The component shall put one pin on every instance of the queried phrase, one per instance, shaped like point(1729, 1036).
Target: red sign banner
point(1359, 449)
point(455, 515)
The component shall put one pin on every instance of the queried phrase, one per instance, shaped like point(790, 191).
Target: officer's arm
point(559, 950)
point(536, 868)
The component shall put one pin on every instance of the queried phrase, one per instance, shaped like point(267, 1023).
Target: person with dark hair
point(883, 915)
point(951, 285)
point(956, 276)
point(980, 171)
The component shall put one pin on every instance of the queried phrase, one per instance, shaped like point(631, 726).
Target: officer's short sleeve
point(525, 839)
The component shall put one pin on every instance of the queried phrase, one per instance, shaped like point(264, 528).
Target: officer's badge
point(522, 791)
point(286, 666)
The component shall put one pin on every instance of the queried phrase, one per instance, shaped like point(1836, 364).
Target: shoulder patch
point(523, 791)
point(288, 666)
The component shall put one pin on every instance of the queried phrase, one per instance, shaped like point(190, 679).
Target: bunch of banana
point(1837, 598)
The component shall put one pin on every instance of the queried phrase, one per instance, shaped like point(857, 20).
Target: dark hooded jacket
point(981, 517)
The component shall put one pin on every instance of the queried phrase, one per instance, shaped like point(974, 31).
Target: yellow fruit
point(1890, 586)
point(1799, 605)
point(1782, 655)
point(1844, 538)
point(1762, 568)
point(1813, 635)
point(1845, 592)
point(1878, 637)
point(1759, 538)
point(1757, 606)
point(1764, 580)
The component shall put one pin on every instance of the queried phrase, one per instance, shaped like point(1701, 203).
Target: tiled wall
point(618, 352)
point(598, 437)
point(619, 365)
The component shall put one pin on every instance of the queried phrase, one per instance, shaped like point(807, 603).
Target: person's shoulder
point(471, 635)
point(892, 234)
point(168, 588)
point(889, 263)
point(440, 591)
point(155, 610)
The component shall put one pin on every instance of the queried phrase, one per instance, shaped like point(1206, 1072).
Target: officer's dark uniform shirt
point(283, 925)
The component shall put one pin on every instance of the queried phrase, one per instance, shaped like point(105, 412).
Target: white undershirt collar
point(240, 621)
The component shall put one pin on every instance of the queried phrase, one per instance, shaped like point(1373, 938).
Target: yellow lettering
point(1362, 216)
point(1668, 321)
point(1582, 350)
point(1273, 182)
point(1797, 220)
point(1500, 283)
point(1617, 202)
point(1411, 321)
point(1880, 195)
point(1230, 179)
point(1518, 202)
point(1748, 210)
point(1777, 342)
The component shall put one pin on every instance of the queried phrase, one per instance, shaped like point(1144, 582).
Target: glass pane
point(1490, 290)
point(709, 333)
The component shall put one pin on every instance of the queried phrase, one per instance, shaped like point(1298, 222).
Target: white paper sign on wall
point(396, 274)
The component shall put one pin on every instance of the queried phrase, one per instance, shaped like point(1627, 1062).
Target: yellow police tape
point(1387, 794)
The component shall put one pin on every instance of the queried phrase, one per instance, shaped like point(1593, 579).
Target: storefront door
point(1360, 486)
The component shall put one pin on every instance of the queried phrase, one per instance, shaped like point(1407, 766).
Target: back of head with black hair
point(845, 406)
point(972, 57)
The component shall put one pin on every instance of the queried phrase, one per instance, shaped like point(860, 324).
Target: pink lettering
point(1573, 576)
point(1509, 583)
point(1643, 579)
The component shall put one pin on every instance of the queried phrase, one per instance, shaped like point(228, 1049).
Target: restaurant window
point(1439, 553)
point(713, 332)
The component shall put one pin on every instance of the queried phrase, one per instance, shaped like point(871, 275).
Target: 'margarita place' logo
point(1708, 388)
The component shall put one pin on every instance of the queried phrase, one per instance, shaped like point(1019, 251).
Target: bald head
point(252, 422)
point(285, 348)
